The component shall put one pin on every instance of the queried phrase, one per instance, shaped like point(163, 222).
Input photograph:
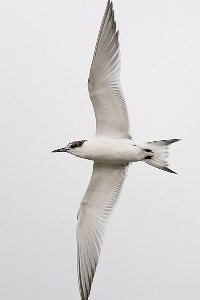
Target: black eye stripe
point(76, 144)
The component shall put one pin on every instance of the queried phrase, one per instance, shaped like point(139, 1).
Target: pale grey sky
point(152, 244)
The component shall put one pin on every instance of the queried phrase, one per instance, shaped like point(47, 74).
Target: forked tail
point(157, 154)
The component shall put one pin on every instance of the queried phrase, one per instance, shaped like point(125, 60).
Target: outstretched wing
point(104, 81)
point(95, 209)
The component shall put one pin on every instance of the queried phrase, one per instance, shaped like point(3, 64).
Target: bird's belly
point(117, 155)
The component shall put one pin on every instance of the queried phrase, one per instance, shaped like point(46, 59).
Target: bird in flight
point(113, 149)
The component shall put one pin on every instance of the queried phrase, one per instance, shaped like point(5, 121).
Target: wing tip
point(169, 170)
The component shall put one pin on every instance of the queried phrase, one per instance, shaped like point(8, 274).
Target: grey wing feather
point(95, 209)
point(104, 81)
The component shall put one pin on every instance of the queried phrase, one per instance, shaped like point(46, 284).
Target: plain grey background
point(152, 244)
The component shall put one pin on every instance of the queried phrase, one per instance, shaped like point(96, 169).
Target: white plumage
point(97, 205)
point(112, 150)
point(104, 82)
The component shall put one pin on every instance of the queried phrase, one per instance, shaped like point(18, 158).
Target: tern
point(112, 149)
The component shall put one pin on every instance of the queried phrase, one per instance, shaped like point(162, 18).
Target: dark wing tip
point(168, 170)
point(174, 140)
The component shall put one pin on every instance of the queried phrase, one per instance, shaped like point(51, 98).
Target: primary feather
point(95, 209)
point(104, 82)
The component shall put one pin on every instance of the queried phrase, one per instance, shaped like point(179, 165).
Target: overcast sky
point(152, 246)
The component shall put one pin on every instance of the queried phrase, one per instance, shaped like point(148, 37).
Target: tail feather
point(157, 154)
point(164, 142)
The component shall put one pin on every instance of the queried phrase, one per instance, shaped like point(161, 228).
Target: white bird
point(112, 150)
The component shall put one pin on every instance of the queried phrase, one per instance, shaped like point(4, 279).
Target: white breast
point(110, 150)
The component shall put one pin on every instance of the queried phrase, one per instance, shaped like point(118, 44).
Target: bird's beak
point(61, 150)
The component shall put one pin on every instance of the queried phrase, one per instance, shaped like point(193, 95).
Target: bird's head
point(72, 148)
